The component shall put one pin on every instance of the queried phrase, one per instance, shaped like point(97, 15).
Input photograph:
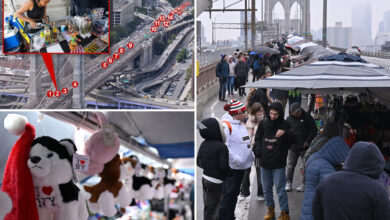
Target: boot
point(271, 214)
point(284, 215)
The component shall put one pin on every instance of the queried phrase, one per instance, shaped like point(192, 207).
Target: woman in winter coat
point(232, 64)
point(256, 114)
point(241, 71)
point(320, 164)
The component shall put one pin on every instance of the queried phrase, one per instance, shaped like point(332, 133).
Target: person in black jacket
point(213, 158)
point(241, 71)
point(305, 130)
point(222, 72)
point(354, 192)
point(272, 141)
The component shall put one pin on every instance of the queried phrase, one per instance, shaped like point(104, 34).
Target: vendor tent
point(332, 77)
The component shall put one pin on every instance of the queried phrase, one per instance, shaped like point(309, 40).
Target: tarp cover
point(332, 77)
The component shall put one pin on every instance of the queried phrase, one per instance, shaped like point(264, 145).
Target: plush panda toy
point(50, 164)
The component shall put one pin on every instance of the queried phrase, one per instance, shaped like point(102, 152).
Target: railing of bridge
point(385, 55)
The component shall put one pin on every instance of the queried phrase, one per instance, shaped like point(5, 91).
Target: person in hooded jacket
point(241, 70)
point(355, 192)
point(240, 155)
point(213, 158)
point(272, 141)
point(305, 130)
point(318, 166)
point(222, 72)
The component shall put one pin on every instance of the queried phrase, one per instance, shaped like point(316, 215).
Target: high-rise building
point(361, 25)
point(339, 36)
point(123, 12)
point(386, 21)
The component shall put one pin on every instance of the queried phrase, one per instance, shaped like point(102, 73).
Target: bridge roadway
point(94, 76)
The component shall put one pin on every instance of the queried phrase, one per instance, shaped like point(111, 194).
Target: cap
point(295, 108)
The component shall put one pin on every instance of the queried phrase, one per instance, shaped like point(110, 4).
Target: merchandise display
point(88, 171)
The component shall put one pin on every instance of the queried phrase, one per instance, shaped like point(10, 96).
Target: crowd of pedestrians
point(338, 182)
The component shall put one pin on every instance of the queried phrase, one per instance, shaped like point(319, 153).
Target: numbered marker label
point(130, 45)
point(162, 18)
point(64, 91)
point(180, 13)
point(116, 56)
point(121, 50)
point(57, 93)
point(50, 93)
point(75, 84)
point(110, 60)
point(104, 65)
point(153, 29)
point(166, 24)
point(157, 23)
point(170, 17)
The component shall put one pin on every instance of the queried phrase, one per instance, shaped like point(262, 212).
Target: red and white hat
point(235, 107)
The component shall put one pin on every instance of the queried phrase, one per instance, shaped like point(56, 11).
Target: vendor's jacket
point(241, 156)
point(320, 164)
point(304, 128)
point(355, 192)
point(273, 151)
point(213, 154)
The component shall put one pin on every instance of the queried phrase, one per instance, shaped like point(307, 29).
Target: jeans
point(230, 190)
point(292, 160)
point(223, 84)
point(268, 177)
point(246, 183)
point(231, 85)
point(212, 197)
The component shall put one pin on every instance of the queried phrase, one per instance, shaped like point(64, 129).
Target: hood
point(279, 108)
point(230, 56)
point(365, 158)
point(213, 131)
point(335, 150)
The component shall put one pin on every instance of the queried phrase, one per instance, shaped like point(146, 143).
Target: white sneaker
point(260, 198)
point(241, 197)
point(288, 187)
point(301, 188)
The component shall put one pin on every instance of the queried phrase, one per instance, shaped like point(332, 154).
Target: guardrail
point(207, 77)
point(385, 55)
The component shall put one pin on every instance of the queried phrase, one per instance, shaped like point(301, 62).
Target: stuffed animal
point(142, 186)
point(97, 148)
point(49, 166)
point(169, 184)
point(109, 191)
point(5, 204)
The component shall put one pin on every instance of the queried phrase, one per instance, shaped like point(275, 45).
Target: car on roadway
point(354, 50)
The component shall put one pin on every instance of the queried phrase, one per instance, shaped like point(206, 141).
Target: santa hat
point(235, 107)
point(17, 181)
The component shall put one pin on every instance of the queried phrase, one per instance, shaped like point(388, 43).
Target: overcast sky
point(338, 10)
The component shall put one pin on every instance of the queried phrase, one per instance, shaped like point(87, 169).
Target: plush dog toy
point(46, 169)
point(109, 191)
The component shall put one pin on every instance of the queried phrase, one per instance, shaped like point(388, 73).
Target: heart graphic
point(47, 190)
point(82, 161)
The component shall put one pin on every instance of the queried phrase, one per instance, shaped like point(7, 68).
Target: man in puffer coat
point(213, 158)
point(354, 193)
point(318, 166)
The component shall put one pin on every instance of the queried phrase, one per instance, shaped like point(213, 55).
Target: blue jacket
point(318, 166)
point(355, 192)
point(222, 69)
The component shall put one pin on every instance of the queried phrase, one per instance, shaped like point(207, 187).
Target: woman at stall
point(35, 10)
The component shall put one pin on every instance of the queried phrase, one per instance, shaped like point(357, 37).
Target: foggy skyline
point(338, 11)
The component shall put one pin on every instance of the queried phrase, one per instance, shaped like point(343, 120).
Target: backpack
point(256, 65)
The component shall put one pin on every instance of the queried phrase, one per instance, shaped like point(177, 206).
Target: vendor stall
point(87, 33)
point(114, 162)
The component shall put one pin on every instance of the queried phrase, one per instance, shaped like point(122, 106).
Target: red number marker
point(153, 29)
point(50, 93)
point(110, 60)
point(121, 50)
point(162, 18)
point(180, 12)
point(116, 56)
point(64, 91)
point(170, 17)
point(104, 65)
point(166, 23)
point(157, 23)
point(75, 84)
point(130, 45)
point(57, 93)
